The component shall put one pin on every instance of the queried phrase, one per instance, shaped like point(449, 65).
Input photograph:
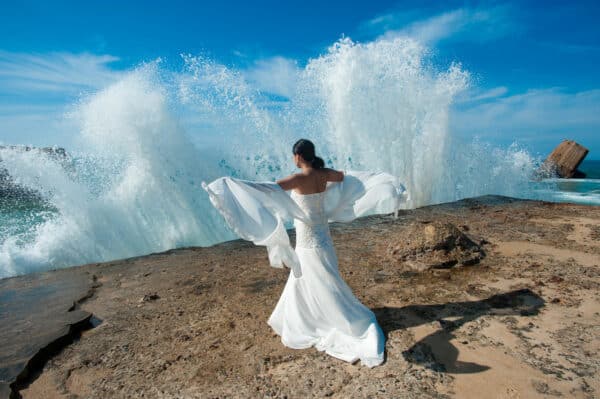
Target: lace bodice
point(316, 233)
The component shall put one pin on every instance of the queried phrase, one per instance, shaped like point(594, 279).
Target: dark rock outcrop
point(58, 152)
point(39, 315)
point(435, 246)
point(9, 188)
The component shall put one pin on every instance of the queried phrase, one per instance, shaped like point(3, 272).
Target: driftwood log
point(565, 159)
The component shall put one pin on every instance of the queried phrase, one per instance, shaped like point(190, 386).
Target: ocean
point(580, 191)
point(130, 183)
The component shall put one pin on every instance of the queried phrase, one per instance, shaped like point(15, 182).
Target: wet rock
point(39, 315)
point(435, 245)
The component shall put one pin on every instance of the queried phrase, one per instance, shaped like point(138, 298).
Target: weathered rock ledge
point(500, 297)
point(39, 315)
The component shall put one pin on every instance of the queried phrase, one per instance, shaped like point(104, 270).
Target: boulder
point(565, 159)
point(435, 245)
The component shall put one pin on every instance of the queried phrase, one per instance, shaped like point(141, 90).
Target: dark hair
point(306, 149)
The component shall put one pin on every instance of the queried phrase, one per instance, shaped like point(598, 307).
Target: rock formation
point(565, 159)
point(434, 245)
point(8, 188)
point(522, 323)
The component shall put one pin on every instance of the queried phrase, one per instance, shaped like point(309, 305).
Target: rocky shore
point(488, 297)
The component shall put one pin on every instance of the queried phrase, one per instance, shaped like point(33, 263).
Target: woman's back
point(311, 181)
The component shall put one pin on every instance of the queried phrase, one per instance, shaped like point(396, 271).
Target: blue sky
point(534, 64)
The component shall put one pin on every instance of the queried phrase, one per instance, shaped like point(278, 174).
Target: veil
point(257, 211)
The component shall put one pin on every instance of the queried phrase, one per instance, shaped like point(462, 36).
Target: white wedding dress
point(317, 308)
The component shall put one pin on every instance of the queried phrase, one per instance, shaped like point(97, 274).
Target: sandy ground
point(523, 323)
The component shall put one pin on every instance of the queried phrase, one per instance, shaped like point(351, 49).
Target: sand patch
point(583, 229)
point(518, 248)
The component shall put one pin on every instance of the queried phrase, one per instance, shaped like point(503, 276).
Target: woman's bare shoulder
point(333, 175)
point(291, 181)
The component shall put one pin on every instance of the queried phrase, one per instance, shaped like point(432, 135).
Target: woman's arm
point(290, 182)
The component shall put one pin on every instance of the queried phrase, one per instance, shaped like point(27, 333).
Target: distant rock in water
point(8, 187)
point(58, 152)
point(564, 160)
point(434, 246)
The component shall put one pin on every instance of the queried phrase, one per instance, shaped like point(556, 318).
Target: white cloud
point(36, 89)
point(536, 115)
point(67, 73)
point(466, 24)
point(475, 95)
point(276, 75)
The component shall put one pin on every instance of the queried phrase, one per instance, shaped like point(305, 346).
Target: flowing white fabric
point(317, 308)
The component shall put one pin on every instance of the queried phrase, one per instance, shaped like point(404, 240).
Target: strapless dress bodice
point(315, 231)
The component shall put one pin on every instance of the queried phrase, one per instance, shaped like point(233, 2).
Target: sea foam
point(146, 142)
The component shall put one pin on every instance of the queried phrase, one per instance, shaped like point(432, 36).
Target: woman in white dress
point(317, 308)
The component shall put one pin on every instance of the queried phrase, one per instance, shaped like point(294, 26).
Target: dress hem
point(369, 362)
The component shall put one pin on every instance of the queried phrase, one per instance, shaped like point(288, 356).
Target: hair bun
point(317, 162)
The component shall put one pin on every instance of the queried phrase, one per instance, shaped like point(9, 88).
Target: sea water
point(581, 191)
point(131, 184)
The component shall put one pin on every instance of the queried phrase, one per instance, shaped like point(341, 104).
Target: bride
point(317, 308)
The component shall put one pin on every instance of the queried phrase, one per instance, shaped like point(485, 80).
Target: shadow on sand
point(435, 351)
